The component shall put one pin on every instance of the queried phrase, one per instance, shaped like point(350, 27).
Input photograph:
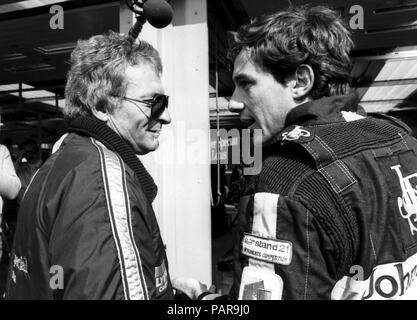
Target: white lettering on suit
point(407, 203)
point(387, 281)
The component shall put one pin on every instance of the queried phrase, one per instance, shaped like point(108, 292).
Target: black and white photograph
point(208, 153)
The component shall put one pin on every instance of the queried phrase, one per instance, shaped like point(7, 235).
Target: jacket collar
point(324, 110)
point(99, 130)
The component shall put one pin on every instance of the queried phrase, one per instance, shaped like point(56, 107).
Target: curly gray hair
point(97, 74)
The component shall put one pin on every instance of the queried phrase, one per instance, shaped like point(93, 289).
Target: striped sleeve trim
point(113, 172)
point(264, 222)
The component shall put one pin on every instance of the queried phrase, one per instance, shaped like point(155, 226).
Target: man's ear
point(303, 83)
point(103, 116)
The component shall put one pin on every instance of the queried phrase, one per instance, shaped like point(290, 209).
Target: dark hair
point(281, 42)
point(97, 73)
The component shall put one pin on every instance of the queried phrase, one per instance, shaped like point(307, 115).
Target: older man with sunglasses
point(86, 228)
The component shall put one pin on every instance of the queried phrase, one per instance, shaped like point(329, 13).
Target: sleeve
point(81, 244)
point(66, 247)
point(9, 181)
point(93, 237)
point(284, 252)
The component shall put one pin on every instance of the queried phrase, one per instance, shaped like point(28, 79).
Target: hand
point(191, 287)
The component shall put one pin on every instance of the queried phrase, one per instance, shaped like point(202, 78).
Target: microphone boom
point(157, 12)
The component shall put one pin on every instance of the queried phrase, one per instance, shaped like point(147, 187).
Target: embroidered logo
point(260, 284)
point(161, 279)
point(20, 263)
point(407, 204)
point(295, 134)
point(268, 250)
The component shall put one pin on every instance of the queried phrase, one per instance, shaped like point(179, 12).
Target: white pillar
point(180, 166)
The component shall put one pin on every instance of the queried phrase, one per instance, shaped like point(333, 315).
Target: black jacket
point(86, 228)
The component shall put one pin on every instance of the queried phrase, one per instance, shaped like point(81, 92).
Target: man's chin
point(145, 149)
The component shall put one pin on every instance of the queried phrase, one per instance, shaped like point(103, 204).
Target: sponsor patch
point(394, 280)
point(260, 284)
point(20, 263)
point(161, 279)
point(268, 250)
point(297, 133)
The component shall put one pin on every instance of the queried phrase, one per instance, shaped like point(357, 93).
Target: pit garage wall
point(180, 166)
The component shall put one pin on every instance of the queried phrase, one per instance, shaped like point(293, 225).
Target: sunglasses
point(158, 104)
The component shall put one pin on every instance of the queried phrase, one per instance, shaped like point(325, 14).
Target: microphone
point(158, 12)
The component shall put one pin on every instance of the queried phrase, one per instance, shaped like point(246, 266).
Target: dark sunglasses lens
point(159, 105)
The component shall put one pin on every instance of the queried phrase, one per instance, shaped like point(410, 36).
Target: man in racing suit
point(86, 228)
point(333, 212)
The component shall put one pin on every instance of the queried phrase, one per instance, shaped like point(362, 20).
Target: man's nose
point(235, 106)
point(165, 117)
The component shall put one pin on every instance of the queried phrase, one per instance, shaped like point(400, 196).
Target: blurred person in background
point(9, 187)
point(28, 162)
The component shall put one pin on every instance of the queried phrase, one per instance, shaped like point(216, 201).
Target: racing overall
point(333, 213)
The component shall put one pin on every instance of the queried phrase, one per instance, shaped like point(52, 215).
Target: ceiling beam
point(403, 109)
point(413, 100)
point(385, 83)
point(29, 107)
point(397, 55)
point(34, 122)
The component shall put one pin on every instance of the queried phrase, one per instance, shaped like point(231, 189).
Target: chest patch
point(297, 133)
point(161, 279)
point(268, 250)
point(259, 284)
